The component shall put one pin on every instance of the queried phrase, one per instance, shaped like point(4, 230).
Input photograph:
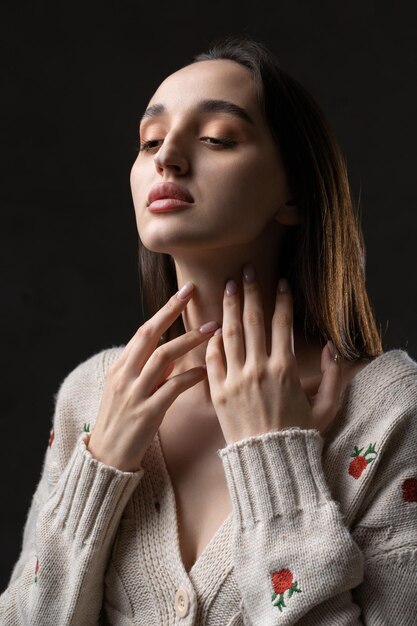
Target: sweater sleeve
point(70, 528)
point(292, 552)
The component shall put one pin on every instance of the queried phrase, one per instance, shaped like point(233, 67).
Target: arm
point(70, 527)
point(75, 513)
point(292, 550)
point(269, 477)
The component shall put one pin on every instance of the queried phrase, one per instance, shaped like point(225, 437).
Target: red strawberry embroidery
point(51, 438)
point(360, 462)
point(282, 581)
point(36, 571)
point(409, 488)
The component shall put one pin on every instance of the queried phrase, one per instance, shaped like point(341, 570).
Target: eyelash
point(145, 146)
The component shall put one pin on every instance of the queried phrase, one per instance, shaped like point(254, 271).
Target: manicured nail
point(218, 331)
point(283, 285)
point(208, 327)
point(249, 273)
point(185, 291)
point(231, 288)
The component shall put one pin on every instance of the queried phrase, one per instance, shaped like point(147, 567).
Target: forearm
point(292, 550)
point(61, 578)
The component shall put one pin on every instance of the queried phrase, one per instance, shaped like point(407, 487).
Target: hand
point(137, 394)
point(253, 392)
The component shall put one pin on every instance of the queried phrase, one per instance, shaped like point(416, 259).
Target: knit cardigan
point(323, 528)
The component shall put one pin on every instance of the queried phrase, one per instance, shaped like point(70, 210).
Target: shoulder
point(89, 373)
point(76, 405)
point(371, 446)
point(386, 388)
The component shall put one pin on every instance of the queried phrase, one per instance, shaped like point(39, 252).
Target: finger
point(253, 317)
point(171, 389)
point(165, 354)
point(232, 330)
point(326, 401)
point(282, 341)
point(216, 360)
point(146, 338)
point(167, 372)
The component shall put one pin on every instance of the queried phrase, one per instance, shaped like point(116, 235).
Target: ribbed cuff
point(275, 474)
point(90, 496)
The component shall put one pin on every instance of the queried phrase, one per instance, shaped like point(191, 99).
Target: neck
point(209, 273)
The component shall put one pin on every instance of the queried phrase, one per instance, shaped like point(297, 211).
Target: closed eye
point(145, 146)
point(223, 141)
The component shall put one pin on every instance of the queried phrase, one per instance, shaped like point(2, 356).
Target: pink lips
point(165, 197)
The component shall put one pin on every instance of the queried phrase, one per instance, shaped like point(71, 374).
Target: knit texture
point(323, 528)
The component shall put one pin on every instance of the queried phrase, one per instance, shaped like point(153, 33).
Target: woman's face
point(237, 188)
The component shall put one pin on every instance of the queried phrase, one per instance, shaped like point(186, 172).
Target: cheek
point(134, 177)
point(138, 186)
point(252, 182)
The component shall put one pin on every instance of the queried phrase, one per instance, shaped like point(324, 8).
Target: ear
point(289, 214)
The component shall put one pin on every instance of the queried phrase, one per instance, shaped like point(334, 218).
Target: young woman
point(249, 456)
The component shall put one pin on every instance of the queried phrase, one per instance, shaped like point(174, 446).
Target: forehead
point(219, 79)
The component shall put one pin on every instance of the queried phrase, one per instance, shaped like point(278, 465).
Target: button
point(182, 602)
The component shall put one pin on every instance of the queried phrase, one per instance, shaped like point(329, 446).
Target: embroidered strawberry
point(360, 462)
point(282, 581)
point(36, 571)
point(51, 438)
point(409, 488)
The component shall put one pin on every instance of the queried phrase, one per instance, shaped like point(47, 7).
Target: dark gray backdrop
point(76, 81)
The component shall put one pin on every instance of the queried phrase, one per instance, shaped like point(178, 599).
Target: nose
point(171, 155)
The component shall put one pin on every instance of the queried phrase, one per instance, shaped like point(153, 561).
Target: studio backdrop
point(76, 81)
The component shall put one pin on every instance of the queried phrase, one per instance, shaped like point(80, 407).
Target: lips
point(169, 190)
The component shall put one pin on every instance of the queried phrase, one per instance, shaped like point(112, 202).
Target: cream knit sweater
point(323, 529)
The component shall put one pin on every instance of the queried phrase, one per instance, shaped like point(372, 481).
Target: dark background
point(75, 82)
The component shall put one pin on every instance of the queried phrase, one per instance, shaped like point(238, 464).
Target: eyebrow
point(205, 106)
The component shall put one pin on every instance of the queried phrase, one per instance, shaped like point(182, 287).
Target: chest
point(201, 494)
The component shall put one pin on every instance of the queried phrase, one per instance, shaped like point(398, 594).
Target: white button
point(182, 602)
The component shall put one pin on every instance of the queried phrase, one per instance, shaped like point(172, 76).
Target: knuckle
point(172, 384)
point(172, 304)
point(281, 370)
point(113, 370)
point(220, 399)
point(257, 371)
point(232, 330)
point(117, 383)
point(161, 354)
point(211, 353)
point(251, 288)
point(146, 331)
point(253, 318)
point(282, 319)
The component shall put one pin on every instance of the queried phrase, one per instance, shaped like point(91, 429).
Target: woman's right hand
point(136, 396)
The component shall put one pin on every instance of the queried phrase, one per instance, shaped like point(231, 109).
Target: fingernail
point(283, 285)
point(185, 291)
point(208, 327)
point(249, 273)
point(231, 287)
point(218, 331)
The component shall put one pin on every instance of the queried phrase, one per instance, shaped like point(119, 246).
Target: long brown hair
point(324, 257)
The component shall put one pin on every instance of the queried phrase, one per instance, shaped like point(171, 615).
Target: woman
point(247, 457)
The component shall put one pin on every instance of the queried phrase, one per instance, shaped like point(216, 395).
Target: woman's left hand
point(253, 392)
